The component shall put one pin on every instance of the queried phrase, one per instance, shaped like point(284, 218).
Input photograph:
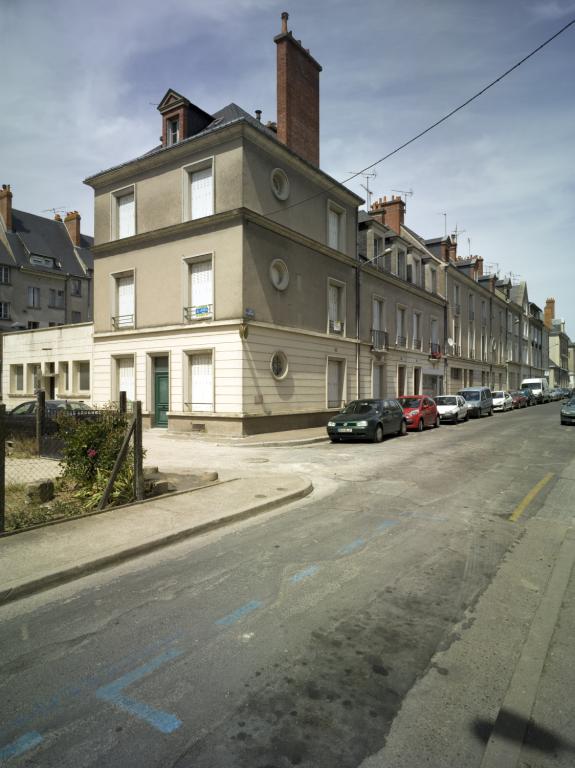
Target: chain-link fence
point(39, 439)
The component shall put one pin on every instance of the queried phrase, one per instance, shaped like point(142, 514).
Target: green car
point(568, 412)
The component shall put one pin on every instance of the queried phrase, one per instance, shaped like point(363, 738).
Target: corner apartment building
point(559, 343)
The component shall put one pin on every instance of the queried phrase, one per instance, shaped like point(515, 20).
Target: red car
point(420, 411)
point(519, 399)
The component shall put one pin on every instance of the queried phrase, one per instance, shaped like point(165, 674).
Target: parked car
point(451, 408)
point(479, 401)
point(420, 411)
point(519, 399)
point(22, 418)
point(555, 394)
point(502, 401)
point(368, 419)
point(568, 412)
point(540, 387)
point(532, 398)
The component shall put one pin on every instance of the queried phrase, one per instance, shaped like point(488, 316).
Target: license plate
point(345, 429)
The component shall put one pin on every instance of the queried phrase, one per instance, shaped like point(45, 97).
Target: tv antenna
point(54, 211)
point(456, 232)
point(444, 214)
point(367, 175)
point(405, 192)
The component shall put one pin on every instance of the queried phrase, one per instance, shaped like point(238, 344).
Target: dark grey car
point(479, 401)
point(367, 419)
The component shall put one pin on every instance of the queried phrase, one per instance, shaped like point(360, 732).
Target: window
point(200, 290)
point(4, 275)
point(4, 310)
point(336, 322)
point(125, 381)
point(401, 380)
point(17, 376)
point(76, 287)
point(401, 269)
point(55, 298)
point(200, 190)
point(378, 329)
point(124, 218)
point(33, 324)
point(417, 381)
point(416, 330)
point(335, 226)
point(76, 317)
point(64, 378)
point(433, 273)
point(83, 376)
point(125, 302)
point(33, 297)
point(401, 327)
point(335, 379)
point(279, 365)
point(201, 380)
point(173, 131)
point(34, 376)
point(378, 381)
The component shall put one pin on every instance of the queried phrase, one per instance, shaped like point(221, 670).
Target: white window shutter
point(202, 382)
point(126, 216)
point(201, 283)
point(334, 308)
point(333, 228)
point(126, 377)
point(334, 382)
point(202, 193)
point(126, 296)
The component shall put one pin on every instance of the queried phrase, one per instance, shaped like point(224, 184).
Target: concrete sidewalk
point(35, 560)
point(286, 437)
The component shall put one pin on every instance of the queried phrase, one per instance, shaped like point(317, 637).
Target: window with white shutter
point(201, 290)
point(201, 382)
point(335, 308)
point(125, 377)
point(334, 383)
point(126, 215)
point(335, 219)
point(125, 302)
point(201, 193)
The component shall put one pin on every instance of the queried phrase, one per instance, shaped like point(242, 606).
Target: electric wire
point(430, 127)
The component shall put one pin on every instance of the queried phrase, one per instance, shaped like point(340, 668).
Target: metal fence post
point(138, 452)
point(123, 402)
point(2, 468)
point(40, 418)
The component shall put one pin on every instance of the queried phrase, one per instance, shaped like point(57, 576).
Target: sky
point(82, 79)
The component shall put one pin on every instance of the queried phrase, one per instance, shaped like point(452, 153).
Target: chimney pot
point(6, 206)
point(285, 17)
point(259, 115)
point(72, 222)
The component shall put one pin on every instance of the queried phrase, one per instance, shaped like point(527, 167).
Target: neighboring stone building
point(46, 269)
point(559, 342)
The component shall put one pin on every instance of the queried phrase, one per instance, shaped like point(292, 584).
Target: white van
point(539, 387)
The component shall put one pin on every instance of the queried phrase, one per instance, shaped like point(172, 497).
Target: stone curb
point(70, 574)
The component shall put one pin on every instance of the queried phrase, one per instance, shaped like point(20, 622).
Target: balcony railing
point(336, 326)
point(122, 321)
point(378, 339)
point(416, 343)
point(199, 312)
point(401, 341)
point(434, 350)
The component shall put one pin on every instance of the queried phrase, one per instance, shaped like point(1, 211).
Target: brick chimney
point(389, 212)
point(479, 266)
point(451, 250)
point(297, 95)
point(72, 222)
point(6, 206)
point(549, 313)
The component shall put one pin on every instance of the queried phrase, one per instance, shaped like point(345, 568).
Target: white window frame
point(187, 269)
point(170, 122)
point(115, 299)
point(187, 173)
point(381, 323)
point(378, 369)
point(343, 363)
point(5, 274)
point(17, 371)
point(417, 324)
point(5, 310)
point(77, 376)
point(189, 354)
point(333, 207)
point(341, 308)
point(33, 376)
point(33, 297)
point(115, 197)
point(401, 308)
point(116, 385)
point(63, 376)
point(75, 286)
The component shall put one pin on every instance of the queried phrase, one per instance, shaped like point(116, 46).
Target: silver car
point(451, 408)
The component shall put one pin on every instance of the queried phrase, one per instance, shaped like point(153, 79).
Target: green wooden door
point(161, 392)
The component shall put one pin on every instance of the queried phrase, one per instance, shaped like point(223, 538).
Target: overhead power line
point(433, 125)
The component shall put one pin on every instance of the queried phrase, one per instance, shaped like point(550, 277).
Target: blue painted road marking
point(387, 524)
point(231, 618)
point(349, 548)
point(113, 693)
point(21, 745)
point(305, 574)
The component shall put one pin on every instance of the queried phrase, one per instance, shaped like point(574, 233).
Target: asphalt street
point(288, 639)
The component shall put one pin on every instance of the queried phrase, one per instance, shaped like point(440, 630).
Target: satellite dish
point(450, 341)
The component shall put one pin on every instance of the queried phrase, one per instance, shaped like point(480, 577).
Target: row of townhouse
point(238, 289)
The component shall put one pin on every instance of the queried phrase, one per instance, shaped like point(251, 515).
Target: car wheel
point(334, 439)
point(490, 413)
point(403, 429)
point(437, 422)
point(378, 435)
point(466, 416)
point(420, 426)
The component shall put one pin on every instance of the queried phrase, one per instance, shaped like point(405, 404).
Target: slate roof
point(36, 235)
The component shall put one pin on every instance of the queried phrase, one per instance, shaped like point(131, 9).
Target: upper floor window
point(401, 265)
point(200, 289)
point(433, 273)
point(75, 287)
point(199, 190)
point(401, 327)
point(124, 213)
point(4, 310)
point(336, 307)
point(55, 298)
point(33, 297)
point(33, 324)
point(124, 316)
point(76, 317)
point(4, 275)
point(173, 129)
point(17, 372)
point(335, 222)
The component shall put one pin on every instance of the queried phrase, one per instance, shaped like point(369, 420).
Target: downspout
point(357, 308)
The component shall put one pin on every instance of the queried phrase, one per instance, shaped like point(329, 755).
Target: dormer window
point(173, 131)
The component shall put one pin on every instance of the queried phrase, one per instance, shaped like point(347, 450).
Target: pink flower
point(92, 453)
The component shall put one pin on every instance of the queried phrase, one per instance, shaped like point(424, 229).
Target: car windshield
point(409, 402)
point(360, 406)
point(470, 395)
point(498, 394)
point(445, 400)
point(531, 385)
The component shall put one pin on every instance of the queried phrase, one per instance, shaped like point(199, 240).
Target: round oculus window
point(279, 365)
point(279, 274)
point(280, 184)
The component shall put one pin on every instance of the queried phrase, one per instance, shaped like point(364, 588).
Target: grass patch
point(22, 512)
point(21, 447)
